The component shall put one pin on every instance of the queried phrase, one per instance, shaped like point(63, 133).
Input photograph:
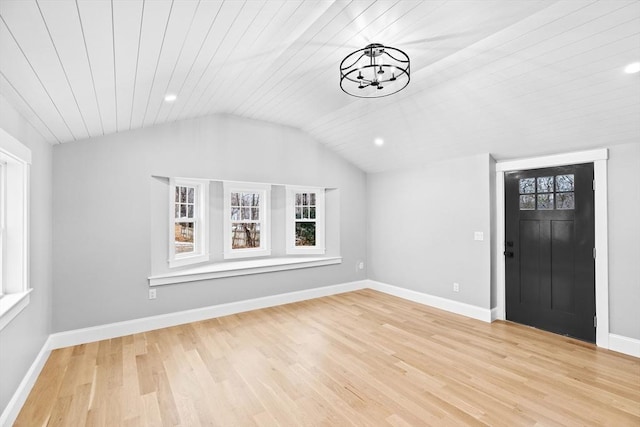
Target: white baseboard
point(11, 411)
point(617, 343)
point(626, 345)
point(119, 329)
point(495, 314)
point(456, 307)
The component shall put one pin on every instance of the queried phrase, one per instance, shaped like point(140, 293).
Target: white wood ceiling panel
point(156, 17)
point(266, 35)
point(283, 35)
point(431, 23)
point(183, 14)
point(207, 14)
point(36, 45)
point(536, 85)
point(239, 39)
point(500, 45)
point(575, 19)
point(13, 97)
point(262, 37)
point(507, 77)
point(127, 18)
point(596, 34)
point(225, 17)
point(63, 23)
point(559, 75)
point(19, 77)
point(97, 38)
point(336, 16)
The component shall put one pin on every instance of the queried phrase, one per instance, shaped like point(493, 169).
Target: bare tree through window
point(245, 217)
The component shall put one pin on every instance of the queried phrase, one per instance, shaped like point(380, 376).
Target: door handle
point(509, 253)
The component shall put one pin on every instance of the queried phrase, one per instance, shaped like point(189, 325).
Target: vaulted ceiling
point(510, 77)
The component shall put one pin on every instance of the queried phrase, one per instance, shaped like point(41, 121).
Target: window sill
point(11, 305)
point(181, 262)
point(241, 268)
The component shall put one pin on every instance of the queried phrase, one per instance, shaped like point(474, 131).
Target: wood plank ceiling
point(509, 77)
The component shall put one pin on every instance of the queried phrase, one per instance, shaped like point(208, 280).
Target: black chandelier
point(374, 71)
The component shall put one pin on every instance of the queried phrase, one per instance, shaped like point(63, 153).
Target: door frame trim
point(599, 159)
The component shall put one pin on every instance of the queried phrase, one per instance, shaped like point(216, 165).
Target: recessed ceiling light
point(632, 68)
point(378, 141)
point(170, 97)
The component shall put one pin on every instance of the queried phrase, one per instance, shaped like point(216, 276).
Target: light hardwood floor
point(361, 358)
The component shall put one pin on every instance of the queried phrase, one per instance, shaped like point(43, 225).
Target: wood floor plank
point(360, 358)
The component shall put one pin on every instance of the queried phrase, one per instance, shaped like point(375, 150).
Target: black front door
point(549, 249)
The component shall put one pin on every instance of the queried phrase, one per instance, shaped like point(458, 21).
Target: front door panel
point(550, 270)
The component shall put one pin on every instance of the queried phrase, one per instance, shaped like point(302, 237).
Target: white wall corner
point(452, 306)
point(11, 411)
point(626, 345)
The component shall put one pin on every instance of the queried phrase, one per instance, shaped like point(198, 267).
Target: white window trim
point(3, 221)
point(265, 219)
point(201, 219)
point(241, 268)
point(291, 247)
point(16, 159)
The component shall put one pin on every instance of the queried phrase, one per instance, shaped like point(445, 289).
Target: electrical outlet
point(152, 293)
point(361, 265)
point(456, 287)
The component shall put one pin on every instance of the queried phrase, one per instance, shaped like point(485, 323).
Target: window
point(14, 214)
point(305, 220)
point(246, 220)
point(253, 228)
point(538, 193)
point(188, 228)
point(3, 209)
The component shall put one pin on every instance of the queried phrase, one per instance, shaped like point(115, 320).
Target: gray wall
point(421, 227)
point(624, 240)
point(421, 224)
point(22, 339)
point(102, 210)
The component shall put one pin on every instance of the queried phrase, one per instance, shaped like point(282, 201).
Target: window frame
point(200, 221)
point(3, 221)
point(291, 248)
point(16, 161)
point(264, 220)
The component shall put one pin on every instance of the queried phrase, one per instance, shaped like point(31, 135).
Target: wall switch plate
point(152, 293)
point(478, 235)
point(456, 287)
